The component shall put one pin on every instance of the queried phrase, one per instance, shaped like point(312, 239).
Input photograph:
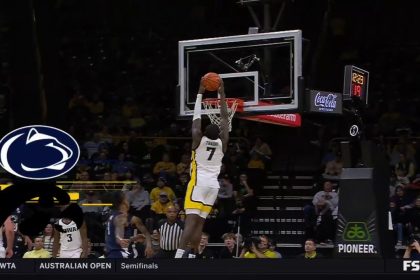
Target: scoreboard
point(356, 82)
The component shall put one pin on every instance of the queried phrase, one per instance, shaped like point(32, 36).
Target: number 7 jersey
point(206, 161)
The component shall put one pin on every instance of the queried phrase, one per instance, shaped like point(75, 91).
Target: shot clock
point(356, 82)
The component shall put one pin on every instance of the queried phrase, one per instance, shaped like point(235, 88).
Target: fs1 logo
point(38, 152)
point(411, 265)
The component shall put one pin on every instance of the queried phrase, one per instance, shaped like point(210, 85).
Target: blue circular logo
point(38, 152)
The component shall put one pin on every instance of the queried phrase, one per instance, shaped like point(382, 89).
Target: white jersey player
point(70, 241)
point(206, 161)
point(7, 229)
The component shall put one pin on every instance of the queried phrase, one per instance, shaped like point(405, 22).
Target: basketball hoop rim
point(229, 102)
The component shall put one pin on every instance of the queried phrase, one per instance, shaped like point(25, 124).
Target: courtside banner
point(357, 226)
point(293, 120)
point(187, 266)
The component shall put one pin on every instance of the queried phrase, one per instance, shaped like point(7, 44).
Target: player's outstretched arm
point(224, 123)
point(140, 226)
point(196, 126)
point(119, 223)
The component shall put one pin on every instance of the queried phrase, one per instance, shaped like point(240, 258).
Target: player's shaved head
point(212, 131)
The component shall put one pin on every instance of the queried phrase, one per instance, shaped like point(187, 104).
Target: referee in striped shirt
point(170, 231)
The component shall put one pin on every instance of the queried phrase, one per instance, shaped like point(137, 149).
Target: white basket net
point(212, 109)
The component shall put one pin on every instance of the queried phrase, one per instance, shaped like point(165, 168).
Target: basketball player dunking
point(7, 228)
point(206, 161)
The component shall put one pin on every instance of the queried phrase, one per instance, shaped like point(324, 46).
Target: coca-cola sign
point(326, 102)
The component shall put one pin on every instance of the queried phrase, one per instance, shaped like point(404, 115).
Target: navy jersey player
point(119, 232)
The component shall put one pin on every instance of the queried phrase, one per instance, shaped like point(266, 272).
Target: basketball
point(211, 81)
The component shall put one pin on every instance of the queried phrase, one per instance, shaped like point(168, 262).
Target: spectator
point(236, 158)
point(225, 199)
point(415, 185)
point(331, 153)
point(136, 121)
point(83, 176)
point(125, 148)
point(243, 190)
point(245, 203)
point(165, 165)
point(320, 216)
point(184, 166)
point(255, 162)
point(101, 163)
point(262, 149)
point(155, 242)
point(121, 166)
point(260, 250)
point(148, 182)
point(38, 251)
point(170, 231)
point(88, 204)
point(230, 249)
point(272, 247)
point(105, 136)
point(406, 166)
point(334, 167)
point(310, 250)
point(48, 238)
point(160, 207)
point(412, 251)
point(414, 218)
point(180, 187)
point(401, 178)
point(93, 146)
point(203, 251)
point(129, 108)
point(139, 201)
point(403, 147)
point(399, 205)
point(161, 187)
point(95, 105)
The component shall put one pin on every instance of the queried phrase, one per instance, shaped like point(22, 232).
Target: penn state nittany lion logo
point(38, 152)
